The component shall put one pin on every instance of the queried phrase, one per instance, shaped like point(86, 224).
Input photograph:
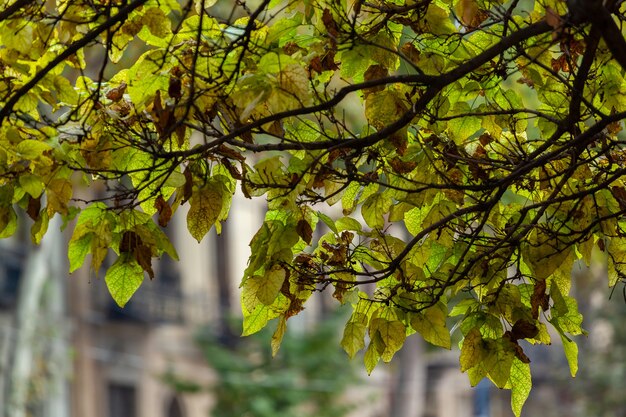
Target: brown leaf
point(346, 237)
point(400, 141)
point(174, 89)
point(276, 129)
point(519, 352)
point(143, 256)
point(116, 94)
point(34, 205)
point(163, 117)
point(305, 231)
point(553, 19)
point(410, 51)
point(561, 64)
point(539, 299)
point(339, 253)
point(130, 241)
point(328, 61)
point(180, 131)
point(234, 172)
point(304, 259)
point(322, 175)
point(620, 195)
point(164, 210)
point(188, 187)
point(485, 139)
point(402, 167)
point(467, 11)
point(524, 329)
point(614, 128)
point(375, 72)
point(329, 23)
point(316, 65)
point(477, 171)
point(230, 153)
point(291, 48)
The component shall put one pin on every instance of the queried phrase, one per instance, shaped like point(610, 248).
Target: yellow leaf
point(293, 89)
point(466, 11)
point(59, 194)
point(384, 108)
point(263, 288)
point(471, 351)
point(545, 254)
point(392, 334)
point(498, 361)
point(353, 338)
point(206, 205)
point(431, 324)
point(277, 337)
point(371, 358)
point(157, 22)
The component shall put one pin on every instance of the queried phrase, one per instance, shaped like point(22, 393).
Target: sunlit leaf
point(123, 278)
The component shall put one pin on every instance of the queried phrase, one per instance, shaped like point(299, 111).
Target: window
point(174, 409)
point(122, 400)
point(11, 265)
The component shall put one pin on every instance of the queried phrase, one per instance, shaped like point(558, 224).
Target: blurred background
point(67, 350)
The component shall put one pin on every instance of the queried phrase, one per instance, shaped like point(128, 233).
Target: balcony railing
point(156, 302)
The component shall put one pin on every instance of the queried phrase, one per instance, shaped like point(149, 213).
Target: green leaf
point(374, 210)
point(256, 319)
point(59, 192)
point(463, 127)
point(520, 383)
point(571, 354)
point(31, 184)
point(565, 316)
point(147, 76)
point(123, 278)
point(327, 221)
point(413, 219)
point(8, 221)
point(348, 223)
point(545, 254)
point(78, 248)
point(32, 149)
point(39, 228)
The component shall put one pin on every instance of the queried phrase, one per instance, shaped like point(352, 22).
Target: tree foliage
point(470, 152)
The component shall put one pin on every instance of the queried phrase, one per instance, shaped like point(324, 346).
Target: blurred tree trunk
point(224, 277)
point(40, 298)
point(407, 393)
